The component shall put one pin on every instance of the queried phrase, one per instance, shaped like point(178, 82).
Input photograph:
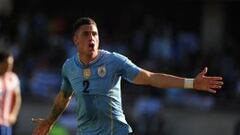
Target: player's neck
point(87, 59)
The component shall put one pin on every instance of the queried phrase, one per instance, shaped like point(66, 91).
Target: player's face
point(87, 40)
point(7, 65)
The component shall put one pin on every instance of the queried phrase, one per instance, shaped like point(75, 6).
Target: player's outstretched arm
point(160, 80)
point(60, 104)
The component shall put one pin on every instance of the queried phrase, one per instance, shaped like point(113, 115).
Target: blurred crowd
point(165, 39)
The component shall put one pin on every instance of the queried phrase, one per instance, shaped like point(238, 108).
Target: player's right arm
point(61, 102)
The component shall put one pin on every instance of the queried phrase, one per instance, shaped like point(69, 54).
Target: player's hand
point(207, 83)
point(43, 126)
point(12, 119)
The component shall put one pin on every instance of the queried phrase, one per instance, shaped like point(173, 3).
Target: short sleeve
point(18, 84)
point(65, 86)
point(128, 69)
point(15, 81)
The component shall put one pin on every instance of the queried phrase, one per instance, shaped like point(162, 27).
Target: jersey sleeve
point(65, 86)
point(15, 81)
point(128, 70)
point(18, 85)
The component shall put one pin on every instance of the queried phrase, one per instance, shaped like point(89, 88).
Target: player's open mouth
point(91, 45)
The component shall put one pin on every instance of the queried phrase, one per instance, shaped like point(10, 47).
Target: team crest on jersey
point(102, 71)
point(86, 73)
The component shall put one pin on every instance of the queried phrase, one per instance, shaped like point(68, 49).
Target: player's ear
point(75, 40)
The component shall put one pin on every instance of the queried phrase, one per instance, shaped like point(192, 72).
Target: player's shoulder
point(114, 55)
point(69, 61)
point(12, 76)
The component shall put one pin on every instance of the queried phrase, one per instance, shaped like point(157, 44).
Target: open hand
point(43, 126)
point(207, 83)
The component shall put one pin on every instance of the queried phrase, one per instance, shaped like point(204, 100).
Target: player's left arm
point(16, 106)
point(161, 80)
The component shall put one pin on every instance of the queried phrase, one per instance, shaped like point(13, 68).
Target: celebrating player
point(94, 75)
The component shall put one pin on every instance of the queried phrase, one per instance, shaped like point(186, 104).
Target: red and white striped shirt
point(9, 85)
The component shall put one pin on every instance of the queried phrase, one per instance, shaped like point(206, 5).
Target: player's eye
point(94, 33)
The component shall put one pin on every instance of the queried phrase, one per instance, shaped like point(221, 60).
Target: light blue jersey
point(98, 92)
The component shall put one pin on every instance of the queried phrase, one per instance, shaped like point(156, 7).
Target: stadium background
point(173, 37)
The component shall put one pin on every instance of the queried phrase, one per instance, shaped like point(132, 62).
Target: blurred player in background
point(94, 75)
point(10, 96)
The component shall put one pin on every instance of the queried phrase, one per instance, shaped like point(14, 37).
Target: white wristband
point(188, 83)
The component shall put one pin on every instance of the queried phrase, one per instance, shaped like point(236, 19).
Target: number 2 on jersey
point(85, 85)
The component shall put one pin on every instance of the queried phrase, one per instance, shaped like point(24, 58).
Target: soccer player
point(10, 97)
point(94, 75)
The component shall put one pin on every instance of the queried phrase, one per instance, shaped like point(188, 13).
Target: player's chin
point(92, 51)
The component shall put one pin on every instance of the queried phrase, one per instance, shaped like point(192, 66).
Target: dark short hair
point(4, 55)
point(82, 21)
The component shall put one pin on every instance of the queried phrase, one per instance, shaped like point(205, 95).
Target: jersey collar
point(79, 63)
